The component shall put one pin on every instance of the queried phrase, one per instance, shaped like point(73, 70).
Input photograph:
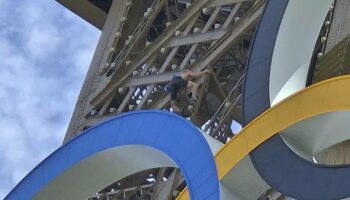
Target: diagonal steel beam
point(142, 30)
point(231, 16)
point(126, 99)
point(132, 90)
point(196, 38)
point(105, 106)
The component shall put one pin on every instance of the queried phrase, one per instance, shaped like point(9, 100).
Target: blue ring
point(164, 131)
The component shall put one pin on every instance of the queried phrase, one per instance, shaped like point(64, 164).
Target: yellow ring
point(327, 96)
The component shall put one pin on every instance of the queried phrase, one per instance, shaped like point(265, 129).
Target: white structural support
point(290, 63)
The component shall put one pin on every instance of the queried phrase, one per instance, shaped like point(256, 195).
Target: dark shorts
point(176, 84)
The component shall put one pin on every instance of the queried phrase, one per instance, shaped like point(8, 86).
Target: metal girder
point(174, 51)
point(164, 190)
point(224, 2)
point(140, 33)
point(156, 188)
point(218, 89)
point(160, 102)
point(211, 57)
point(145, 97)
point(211, 19)
point(230, 38)
point(105, 105)
point(196, 38)
point(201, 93)
point(117, 193)
point(93, 120)
point(231, 16)
point(142, 29)
point(216, 3)
point(205, 29)
point(225, 118)
point(166, 63)
point(188, 56)
point(126, 100)
point(133, 89)
point(124, 71)
point(167, 12)
point(98, 59)
point(86, 10)
point(227, 112)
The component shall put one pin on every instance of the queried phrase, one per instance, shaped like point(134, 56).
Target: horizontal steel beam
point(93, 120)
point(217, 3)
point(196, 38)
point(148, 80)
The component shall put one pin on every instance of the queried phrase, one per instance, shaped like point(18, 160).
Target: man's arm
point(198, 74)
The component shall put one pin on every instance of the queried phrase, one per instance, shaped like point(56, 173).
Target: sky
point(45, 52)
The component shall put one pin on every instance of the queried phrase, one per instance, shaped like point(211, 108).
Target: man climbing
point(183, 80)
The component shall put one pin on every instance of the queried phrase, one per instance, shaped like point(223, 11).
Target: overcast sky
point(45, 51)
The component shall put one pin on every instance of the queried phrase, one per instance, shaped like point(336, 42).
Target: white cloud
point(42, 67)
point(42, 41)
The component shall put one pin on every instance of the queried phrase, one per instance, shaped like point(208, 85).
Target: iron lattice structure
point(143, 44)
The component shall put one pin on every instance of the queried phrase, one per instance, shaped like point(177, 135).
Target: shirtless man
point(180, 81)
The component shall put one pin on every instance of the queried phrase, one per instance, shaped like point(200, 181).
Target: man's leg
point(194, 88)
point(175, 106)
point(173, 96)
